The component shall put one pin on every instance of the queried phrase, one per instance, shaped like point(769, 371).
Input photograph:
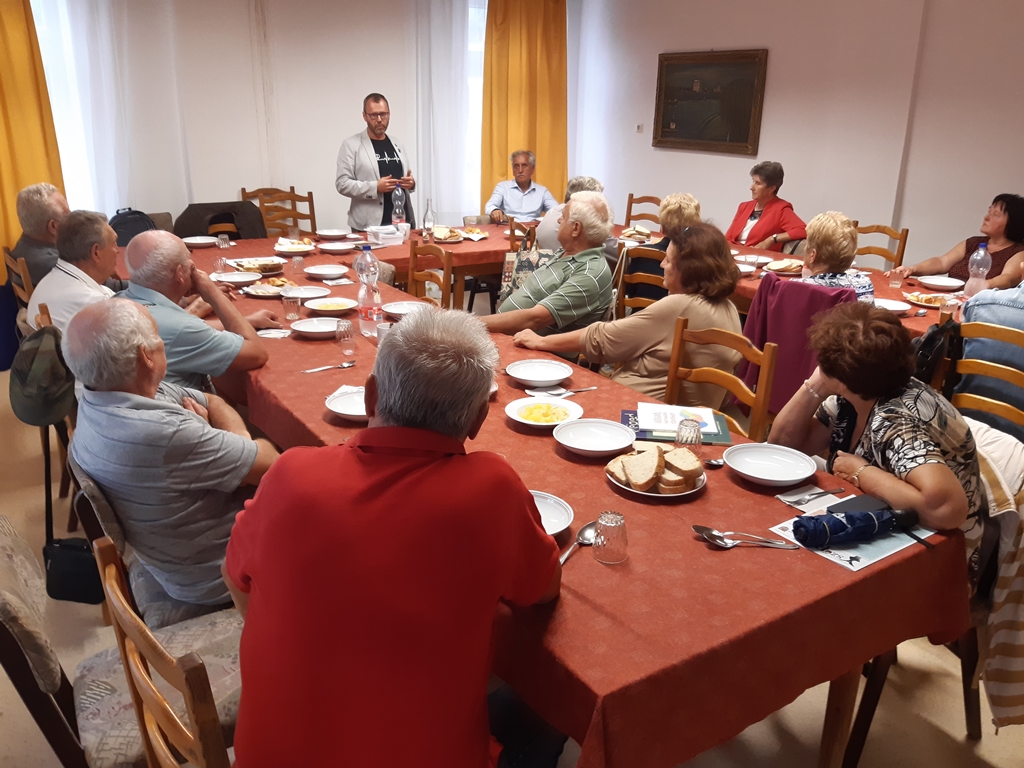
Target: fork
point(812, 496)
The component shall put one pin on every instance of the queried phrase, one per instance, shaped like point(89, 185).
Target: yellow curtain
point(28, 142)
point(524, 92)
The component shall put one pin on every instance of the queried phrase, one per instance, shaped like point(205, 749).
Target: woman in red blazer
point(771, 219)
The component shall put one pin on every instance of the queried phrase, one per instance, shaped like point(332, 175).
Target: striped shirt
point(576, 290)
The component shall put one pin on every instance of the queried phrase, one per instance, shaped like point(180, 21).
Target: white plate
point(316, 327)
point(235, 278)
point(294, 249)
point(360, 243)
point(555, 514)
point(319, 306)
point(333, 234)
point(349, 405)
point(773, 465)
point(200, 241)
point(761, 260)
point(519, 233)
point(594, 437)
point(940, 282)
point(335, 247)
point(734, 252)
point(305, 292)
point(573, 410)
point(539, 372)
point(326, 271)
point(899, 307)
point(746, 269)
point(236, 263)
point(917, 303)
point(262, 291)
point(701, 482)
point(403, 308)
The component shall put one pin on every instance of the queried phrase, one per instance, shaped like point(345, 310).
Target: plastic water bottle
point(978, 266)
point(367, 268)
point(428, 226)
point(398, 206)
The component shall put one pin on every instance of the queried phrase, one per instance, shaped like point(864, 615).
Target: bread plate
point(572, 410)
point(199, 241)
point(267, 265)
point(316, 327)
point(262, 291)
point(555, 514)
point(937, 300)
point(539, 372)
point(349, 405)
point(594, 437)
point(940, 282)
point(294, 249)
point(701, 482)
point(771, 465)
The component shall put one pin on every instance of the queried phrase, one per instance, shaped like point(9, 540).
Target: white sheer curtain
point(450, 40)
point(82, 47)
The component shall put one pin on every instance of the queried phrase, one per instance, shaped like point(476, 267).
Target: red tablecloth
point(653, 661)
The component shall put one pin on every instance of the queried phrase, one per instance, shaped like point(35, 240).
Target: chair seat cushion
point(159, 609)
point(106, 717)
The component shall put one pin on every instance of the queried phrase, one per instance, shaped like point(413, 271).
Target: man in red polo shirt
point(369, 573)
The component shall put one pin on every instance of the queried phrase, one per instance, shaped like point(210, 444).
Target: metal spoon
point(349, 364)
point(714, 463)
point(584, 538)
point(721, 539)
point(556, 391)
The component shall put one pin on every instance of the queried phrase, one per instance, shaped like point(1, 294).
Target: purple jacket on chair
point(781, 311)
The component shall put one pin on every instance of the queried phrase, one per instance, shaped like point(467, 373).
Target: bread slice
point(614, 468)
point(671, 479)
point(647, 445)
point(682, 462)
point(642, 469)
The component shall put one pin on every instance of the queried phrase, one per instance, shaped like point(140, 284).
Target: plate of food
point(333, 306)
point(899, 307)
point(316, 327)
point(519, 232)
point(752, 259)
point(555, 514)
point(266, 265)
point(235, 278)
point(305, 292)
point(637, 234)
point(474, 233)
point(335, 247)
point(539, 372)
point(783, 267)
point(349, 405)
point(403, 308)
point(284, 245)
point(940, 282)
point(261, 290)
point(929, 300)
point(333, 234)
point(772, 465)
point(199, 241)
point(325, 271)
point(658, 471)
point(594, 437)
point(543, 411)
point(446, 235)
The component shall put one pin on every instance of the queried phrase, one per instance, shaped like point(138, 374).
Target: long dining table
point(682, 646)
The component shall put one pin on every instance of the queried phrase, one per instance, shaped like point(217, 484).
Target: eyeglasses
point(377, 115)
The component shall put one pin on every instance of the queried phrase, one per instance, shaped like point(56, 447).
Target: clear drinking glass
point(293, 233)
point(610, 538)
point(688, 436)
point(895, 280)
point(221, 265)
point(298, 263)
point(291, 307)
point(345, 336)
point(223, 241)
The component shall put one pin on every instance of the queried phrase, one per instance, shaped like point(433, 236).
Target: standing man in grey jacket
point(371, 165)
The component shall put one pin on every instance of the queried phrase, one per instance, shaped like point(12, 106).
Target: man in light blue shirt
point(520, 199)
point(1004, 308)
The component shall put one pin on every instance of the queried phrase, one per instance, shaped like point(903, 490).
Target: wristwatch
point(775, 238)
point(855, 477)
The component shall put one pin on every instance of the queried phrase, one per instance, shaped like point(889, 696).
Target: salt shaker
point(610, 538)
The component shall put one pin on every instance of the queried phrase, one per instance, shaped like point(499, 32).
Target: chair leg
point(494, 298)
point(968, 646)
point(878, 670)
point(471, 285)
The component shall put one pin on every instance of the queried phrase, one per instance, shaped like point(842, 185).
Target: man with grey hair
point(172, 461)
point(414, 540)
point(547, 230)
point(41, 209)
point(520, 198)
point(575, 289)
point(87, 247)
point(162, 274)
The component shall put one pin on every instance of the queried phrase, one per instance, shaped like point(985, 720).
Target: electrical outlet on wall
point(639, 127)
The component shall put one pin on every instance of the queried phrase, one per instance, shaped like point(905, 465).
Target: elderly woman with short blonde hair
point(676, 212)
point(831, 247)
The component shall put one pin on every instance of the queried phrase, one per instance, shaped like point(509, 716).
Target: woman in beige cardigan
point(700, 275)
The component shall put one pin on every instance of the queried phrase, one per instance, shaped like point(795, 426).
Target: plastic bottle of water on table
point(978, 266)
point(367, 268)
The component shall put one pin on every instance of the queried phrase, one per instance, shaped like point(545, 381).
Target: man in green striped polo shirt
point(575, 289)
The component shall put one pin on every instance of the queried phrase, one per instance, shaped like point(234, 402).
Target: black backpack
point(128, 223)
point(938, 343)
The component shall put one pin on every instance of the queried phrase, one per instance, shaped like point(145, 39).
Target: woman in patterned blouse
point(885, 432)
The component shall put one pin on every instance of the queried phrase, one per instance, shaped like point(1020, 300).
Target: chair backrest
point(514, 237)
point(18, 267)
point(200, 741)
point(881, 229)
point(43, 316)
point(163, 220)
point(635, 200)
point(418, 278)
point(972, 366)
point(475, 221)
point(636, 278)
point(256, 194)
point(25, 652)
point(281, 210)
point(94, 510)
point(757, 399)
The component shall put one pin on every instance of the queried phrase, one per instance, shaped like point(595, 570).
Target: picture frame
point(710, 101)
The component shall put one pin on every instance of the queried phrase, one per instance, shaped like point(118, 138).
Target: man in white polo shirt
point(87, 250)
point(521, 198)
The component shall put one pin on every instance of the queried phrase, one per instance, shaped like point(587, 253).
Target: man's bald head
point(102, 341)
point(153, 256)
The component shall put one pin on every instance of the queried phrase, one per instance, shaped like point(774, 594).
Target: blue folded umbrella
point(822, 531)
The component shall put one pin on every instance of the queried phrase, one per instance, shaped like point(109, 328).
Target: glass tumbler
point(223, 241)
point(895, 280)
point(291, 307)
point(345, 337)
point(610, 538)
point(297, 265)
point(688, 436)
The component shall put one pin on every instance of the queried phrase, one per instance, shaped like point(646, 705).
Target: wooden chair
point(513, 238)
point(280, 210)
point(22, 292)
point(201, 741)
point(969, 366)
point(637, 278)
point(633, 200)
point(757, 401)
point(871, 250)
point(418, 278)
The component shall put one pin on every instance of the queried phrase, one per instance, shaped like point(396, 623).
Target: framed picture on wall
point(710, 100)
